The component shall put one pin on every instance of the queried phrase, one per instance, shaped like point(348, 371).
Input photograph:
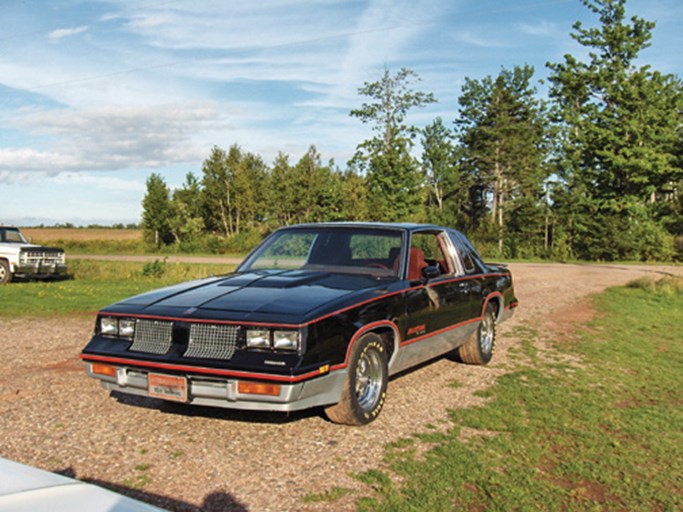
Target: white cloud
point(542, 28)
point(108, 183)
point(110, 138)
point(61, 33)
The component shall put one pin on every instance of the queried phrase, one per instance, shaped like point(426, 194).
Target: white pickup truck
point(20, 258)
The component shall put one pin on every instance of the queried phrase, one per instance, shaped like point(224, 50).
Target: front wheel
point(479, 348)
point(5, 274)
point(365, 387)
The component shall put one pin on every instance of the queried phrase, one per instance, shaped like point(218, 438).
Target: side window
point(434, 249)
point(465, 251)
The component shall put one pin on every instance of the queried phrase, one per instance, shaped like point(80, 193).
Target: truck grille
point(33, 257)
point(152, 336)
point(211, 341)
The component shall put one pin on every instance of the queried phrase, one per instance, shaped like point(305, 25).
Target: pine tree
point(620, 125)
point(501, 127)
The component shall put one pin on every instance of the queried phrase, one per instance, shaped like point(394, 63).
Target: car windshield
point(349, 250)
point(12, 236)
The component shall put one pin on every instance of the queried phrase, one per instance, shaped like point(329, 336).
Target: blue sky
point(96, 95)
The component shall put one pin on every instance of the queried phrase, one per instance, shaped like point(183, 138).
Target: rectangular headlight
point(258, 338)
point(286, 340)
point(109, 326)
point(126, 327)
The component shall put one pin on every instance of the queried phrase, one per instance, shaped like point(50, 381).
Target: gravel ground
point(189, 458)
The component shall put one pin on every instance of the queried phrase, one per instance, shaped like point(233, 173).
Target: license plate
point(167, 387)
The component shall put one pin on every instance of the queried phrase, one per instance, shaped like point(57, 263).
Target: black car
point(317, 315)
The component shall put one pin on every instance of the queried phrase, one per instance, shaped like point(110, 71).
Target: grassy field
point(96, 284)
point(590, 424)
point(89, 240)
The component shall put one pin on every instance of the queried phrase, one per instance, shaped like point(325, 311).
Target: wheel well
point(497, 303)
point(388, 336)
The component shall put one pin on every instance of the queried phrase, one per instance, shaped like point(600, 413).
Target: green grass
point(601, 434)
point(96, 284)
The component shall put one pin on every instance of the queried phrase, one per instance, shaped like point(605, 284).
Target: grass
point(601, 434)
point(96, 284)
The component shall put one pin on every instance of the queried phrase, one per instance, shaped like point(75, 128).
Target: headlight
point(126, 327)
point(109, 326)
point(258, 338)
point(118, 327)
point(286, 340)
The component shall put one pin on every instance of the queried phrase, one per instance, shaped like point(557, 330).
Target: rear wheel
point(5, 274)
point(479, 348)
point(365, 387)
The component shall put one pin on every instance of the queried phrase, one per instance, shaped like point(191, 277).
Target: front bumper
point(40, 270)
point(223, 392)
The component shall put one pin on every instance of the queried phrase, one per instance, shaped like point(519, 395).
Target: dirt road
point(185, 458)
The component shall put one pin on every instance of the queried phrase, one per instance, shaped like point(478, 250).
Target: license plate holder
point(168, 387)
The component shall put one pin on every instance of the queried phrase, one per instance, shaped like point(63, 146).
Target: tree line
point(594, 171)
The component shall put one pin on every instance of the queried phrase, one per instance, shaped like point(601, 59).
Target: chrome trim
point(222, 392)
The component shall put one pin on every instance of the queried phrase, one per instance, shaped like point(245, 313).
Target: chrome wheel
point(369, 379)
point(487, 333)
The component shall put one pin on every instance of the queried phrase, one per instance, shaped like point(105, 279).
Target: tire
point(479, 349)
point(365, 387)
point(5, 274)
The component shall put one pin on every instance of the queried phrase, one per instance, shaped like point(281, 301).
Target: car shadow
point(213, 502)
point(180, 409)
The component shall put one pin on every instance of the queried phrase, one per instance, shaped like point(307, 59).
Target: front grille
point(210, 341)
point(152, 336)
point(34, 257)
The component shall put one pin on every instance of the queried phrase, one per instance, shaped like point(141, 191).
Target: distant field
point(89, 240)
point(44, 235)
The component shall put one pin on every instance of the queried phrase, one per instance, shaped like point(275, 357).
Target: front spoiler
point(222, 392)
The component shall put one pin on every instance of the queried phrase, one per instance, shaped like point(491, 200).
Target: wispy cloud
point(541, 28)
point(110, 139)
point(61, 33)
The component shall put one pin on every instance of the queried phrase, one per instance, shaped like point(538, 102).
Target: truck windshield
point(12, 236)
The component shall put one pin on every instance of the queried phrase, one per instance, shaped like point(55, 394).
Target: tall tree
point(501, 126)
point(217, 198)
point(156, 211)
point(620, 127)
point(186, 220)
point(394, 180)
point(448, 186)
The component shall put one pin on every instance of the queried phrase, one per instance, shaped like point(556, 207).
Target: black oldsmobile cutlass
point(317, 315)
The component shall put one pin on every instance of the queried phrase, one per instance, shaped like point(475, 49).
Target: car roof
point(405, 226)
point(25, 488)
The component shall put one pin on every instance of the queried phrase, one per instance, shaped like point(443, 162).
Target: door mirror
point(431, 272)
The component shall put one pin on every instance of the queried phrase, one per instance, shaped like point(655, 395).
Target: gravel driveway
point(191, 458)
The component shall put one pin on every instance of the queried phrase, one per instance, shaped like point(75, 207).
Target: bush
point(155, 269)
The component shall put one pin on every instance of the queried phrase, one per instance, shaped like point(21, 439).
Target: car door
point(437, 305)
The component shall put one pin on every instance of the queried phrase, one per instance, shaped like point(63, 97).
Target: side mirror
point(431, 272)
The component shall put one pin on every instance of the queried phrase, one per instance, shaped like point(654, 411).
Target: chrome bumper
point(222, 392)
point(40, 269)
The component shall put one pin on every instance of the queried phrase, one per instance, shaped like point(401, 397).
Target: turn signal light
point(258, 388)
point(103, 369)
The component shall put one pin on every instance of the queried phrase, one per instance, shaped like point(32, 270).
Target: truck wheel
point(5, 274)
point(365, 387)
point(479, 348)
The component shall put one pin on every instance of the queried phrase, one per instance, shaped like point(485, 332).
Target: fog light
point(258, 388)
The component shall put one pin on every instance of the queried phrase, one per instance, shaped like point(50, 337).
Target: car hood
point(289, 295)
